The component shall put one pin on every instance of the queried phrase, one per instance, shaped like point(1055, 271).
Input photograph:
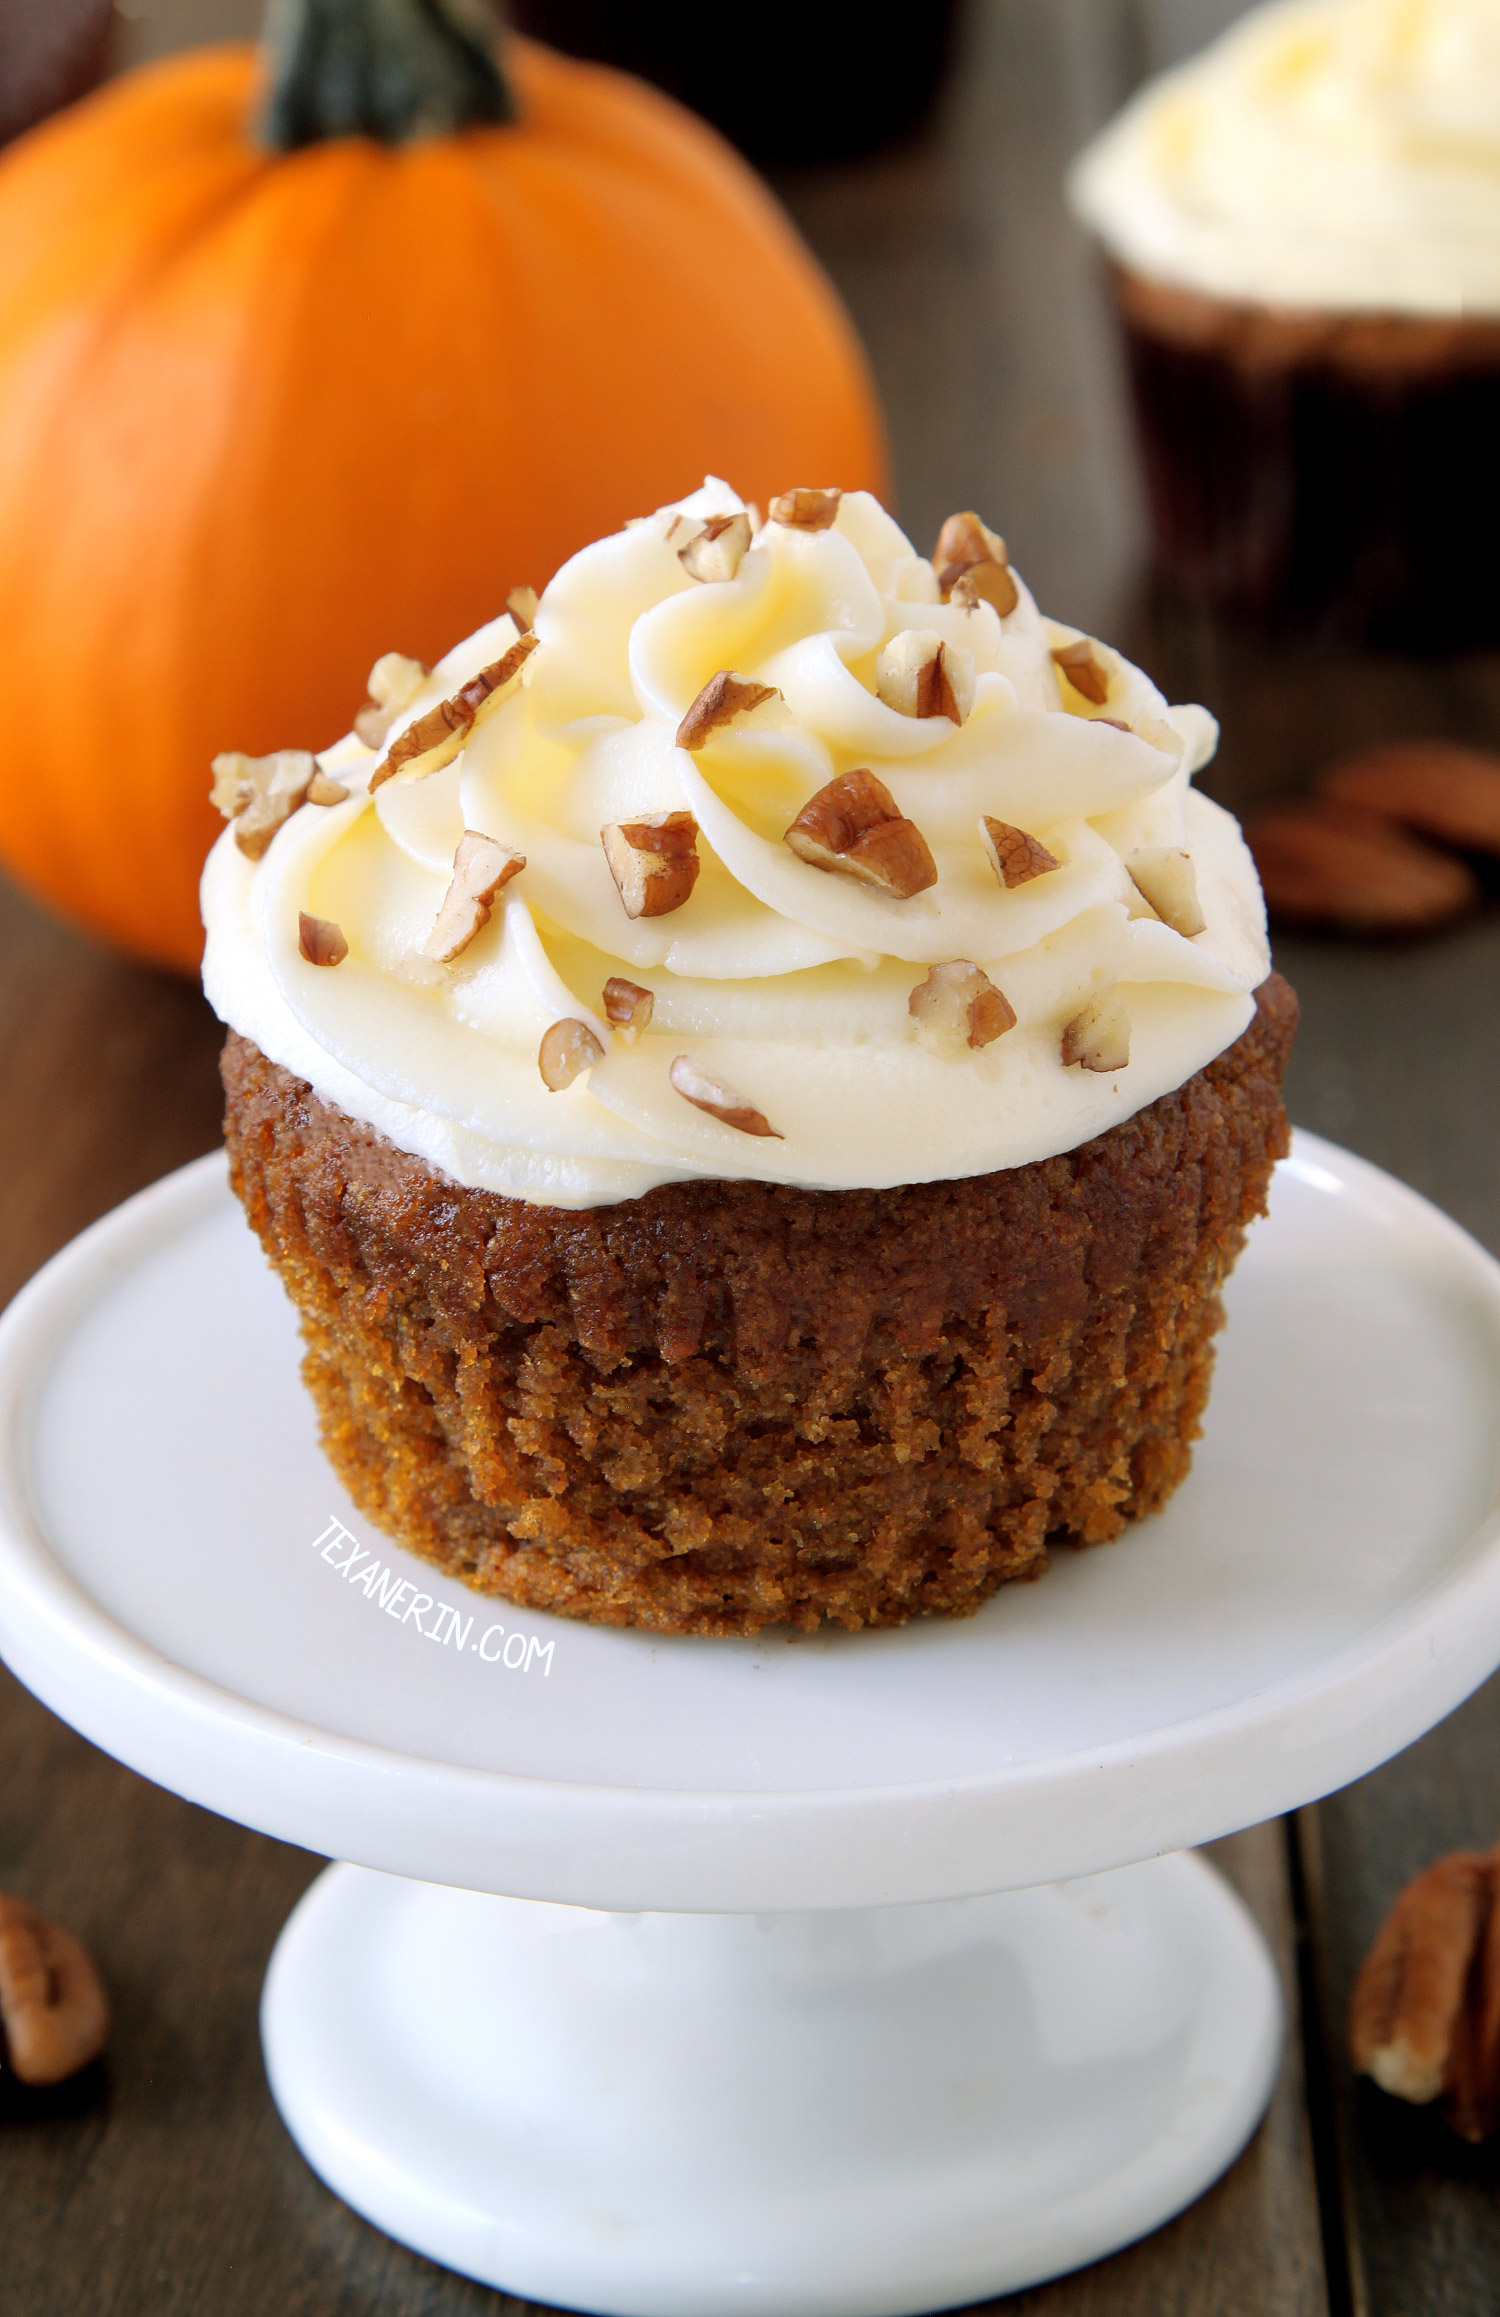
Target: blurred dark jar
point(1321, 474)
point(51, 51)
point(785, 83)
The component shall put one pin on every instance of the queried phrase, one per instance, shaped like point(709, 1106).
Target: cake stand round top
point(182, 1579)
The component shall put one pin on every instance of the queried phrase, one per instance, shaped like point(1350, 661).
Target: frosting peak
point(723, 789)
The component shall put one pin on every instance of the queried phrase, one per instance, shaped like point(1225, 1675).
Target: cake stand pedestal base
point(848, 2114)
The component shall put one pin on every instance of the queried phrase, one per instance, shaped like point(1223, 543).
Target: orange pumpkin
point(265, 415)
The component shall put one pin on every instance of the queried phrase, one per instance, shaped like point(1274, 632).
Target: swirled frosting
point(787, 982)
point(1340, 154)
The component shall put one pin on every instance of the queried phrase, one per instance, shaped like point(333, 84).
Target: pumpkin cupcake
point(752, 1072)
point(1304, 231)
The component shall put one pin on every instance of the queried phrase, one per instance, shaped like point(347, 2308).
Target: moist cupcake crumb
point(726, 1405)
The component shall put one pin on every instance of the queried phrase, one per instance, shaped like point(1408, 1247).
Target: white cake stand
point(767, 2044)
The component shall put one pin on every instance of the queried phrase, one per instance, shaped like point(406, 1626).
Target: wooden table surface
point(162, 2183)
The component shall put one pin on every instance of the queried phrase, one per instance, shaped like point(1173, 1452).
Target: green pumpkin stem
point(388, 69)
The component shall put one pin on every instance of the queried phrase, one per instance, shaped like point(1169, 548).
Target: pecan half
point(723, 698)
point(1084, 669)
point(1164, 875)
point(717, 551)
point(1433, 786)
point(627, 1007)
point(1098, 1038)
point(958, 1007)
point(566, 1050)
point(481, 869)
point(653, 861)
point(320, 941)
point(259, 794)
point(972, 564)
point(436, 738)
point(1015, 856)
point(918, 674)
point(806, 510)
point(521, 604)
point(720, 1101)
point(852, 827)
point(53, 2015)
point(1325, 863)
point(394, 680)
point(1424, 2017)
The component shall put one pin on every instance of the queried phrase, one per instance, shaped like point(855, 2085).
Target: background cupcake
point(1304, 226)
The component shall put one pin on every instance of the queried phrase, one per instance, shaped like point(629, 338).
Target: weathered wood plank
point(1422, 2210)
point(110, 1074)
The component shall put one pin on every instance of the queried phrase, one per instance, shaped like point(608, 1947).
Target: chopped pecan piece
point(1084, 669)
point(918, 674)
point(628, 1007)
point(1015, 856)
point(521, 604)
point(719, 1100)
point(320, 940)
point(1099, 1037)
point(1152, 729)
point(853, 828)
point(394, 680)
point(259, 793)
point(653, 861)
point(481, 869)
point(717, 551)
point(323, 791)
point(958, 1006)
point(806, 510)
point(436, 738)
point(722, 698)
point(237, 777)
point(1424, 2017)
point(53, 2013)
point(972, 565)
point(566, 1050)
point(1164, 875)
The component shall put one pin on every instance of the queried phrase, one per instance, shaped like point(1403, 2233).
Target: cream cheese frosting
point(787, 983)
point(1340, 154)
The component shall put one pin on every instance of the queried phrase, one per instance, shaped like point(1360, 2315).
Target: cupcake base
point(726, 1405)
point(1320, 473)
